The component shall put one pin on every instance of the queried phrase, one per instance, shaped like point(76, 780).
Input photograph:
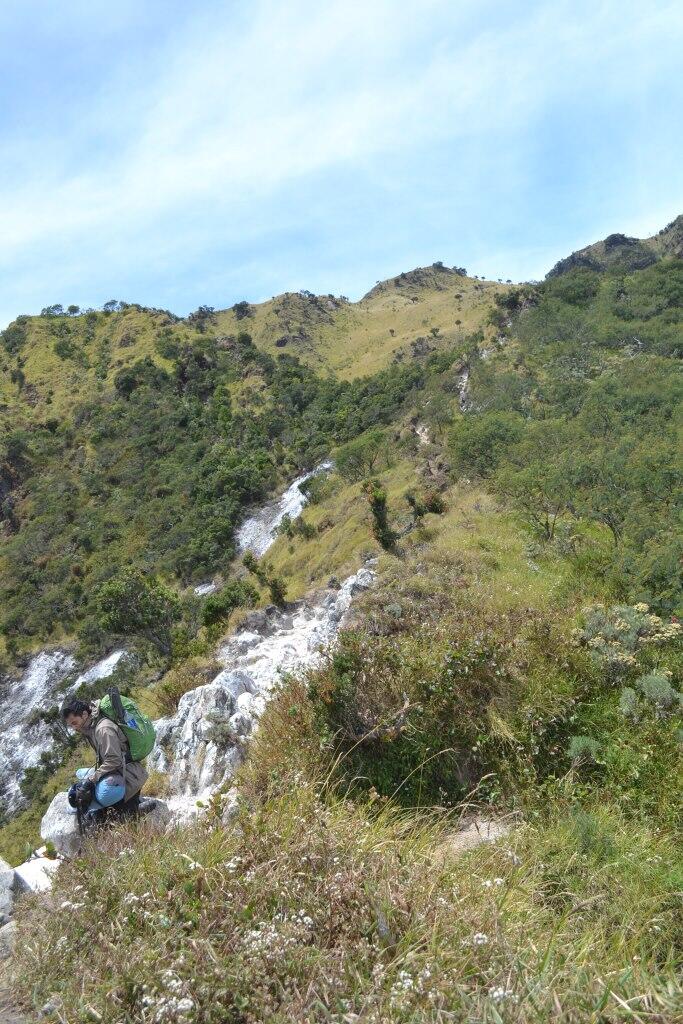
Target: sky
point(178, 154)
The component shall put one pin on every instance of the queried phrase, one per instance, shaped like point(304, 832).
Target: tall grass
point(310, 907)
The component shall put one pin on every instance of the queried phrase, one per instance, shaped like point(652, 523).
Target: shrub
point(296, 528)
point(657, 689)
point(406, 712)
point(181, 679)
point(237, 594)
point(617, 637)
point(629, 704)
point(377, 500)
point(584, 750)
point(265, 574)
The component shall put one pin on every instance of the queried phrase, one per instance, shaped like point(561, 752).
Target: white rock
point(6, 890)
point(257, 533)
point(200, 747)
point(230, 806)
point(235, 682)
point(36, 874)
point(204, 589)
point(60, 827)
point(8, 935)
point(38, 689)
point(102, 669)
point(154, 812)
point(20, 744)
point(240, 724)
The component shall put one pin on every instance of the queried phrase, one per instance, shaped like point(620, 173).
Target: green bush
point(132, 604)
point(237, 594)
point(479, 443)
point(377, 500)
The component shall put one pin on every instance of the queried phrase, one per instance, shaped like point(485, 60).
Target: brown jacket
point(111, 749)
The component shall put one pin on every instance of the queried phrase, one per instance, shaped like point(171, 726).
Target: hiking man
point(116, 779)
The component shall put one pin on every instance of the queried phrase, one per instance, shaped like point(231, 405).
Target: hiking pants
point(108, 791)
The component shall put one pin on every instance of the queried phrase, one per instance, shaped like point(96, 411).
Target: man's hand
point(83, 794)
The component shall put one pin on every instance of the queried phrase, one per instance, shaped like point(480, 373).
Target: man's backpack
point(136, 726)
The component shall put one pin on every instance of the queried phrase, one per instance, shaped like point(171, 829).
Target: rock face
point(20, 744)
point(35, 875)
point(6, 891)
point(60, 827)
point(203, 743)
point(257, 533)
point(22, 740)
point(7, 938)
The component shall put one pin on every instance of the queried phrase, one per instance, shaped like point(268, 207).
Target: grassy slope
point(581, 916)
point(53, 384)
point(349, 339)
point(307, 908)
point(310, 907)
point(354, 339)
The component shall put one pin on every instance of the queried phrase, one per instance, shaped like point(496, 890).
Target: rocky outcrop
point(200, 746)
point(623, 253)
point(35, 874)
point(6, 891)
point(23, 734)
point(437, 276)
point(60, 827)
point(258, 531)
point(8, 934)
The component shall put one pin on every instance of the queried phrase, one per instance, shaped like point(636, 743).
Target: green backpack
point(137, 727)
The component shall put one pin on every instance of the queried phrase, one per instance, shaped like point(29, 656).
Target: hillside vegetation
point(519, 477)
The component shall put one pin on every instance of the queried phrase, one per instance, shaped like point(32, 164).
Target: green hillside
point(623, 253)
point(510, 454)
point(133, 438)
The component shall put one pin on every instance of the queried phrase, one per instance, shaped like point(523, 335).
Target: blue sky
point(175, 153)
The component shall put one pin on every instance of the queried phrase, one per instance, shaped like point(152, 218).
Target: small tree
point(202, 318)
point(359, 458)
point(242, 309)
point(265, 574)
point(132, 604)
point(219, 607)
point(377, 499)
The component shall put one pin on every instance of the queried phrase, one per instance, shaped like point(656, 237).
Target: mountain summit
point(622, 253)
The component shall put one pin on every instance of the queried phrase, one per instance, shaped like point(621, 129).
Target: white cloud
point(245, 106)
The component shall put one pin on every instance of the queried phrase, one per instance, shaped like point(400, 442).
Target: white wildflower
point(500, 992)
point(479, 939)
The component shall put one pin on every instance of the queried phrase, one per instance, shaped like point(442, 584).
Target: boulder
point(35, 875)
point(155, 812)
point(8, 934)
point(255, 621)
point(235, 682)
point(230, 806)
point(6, 890)
point(363, 581)
point(240, 723)
point(60, 827)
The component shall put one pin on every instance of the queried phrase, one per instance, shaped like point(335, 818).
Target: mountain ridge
point(622, 252)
